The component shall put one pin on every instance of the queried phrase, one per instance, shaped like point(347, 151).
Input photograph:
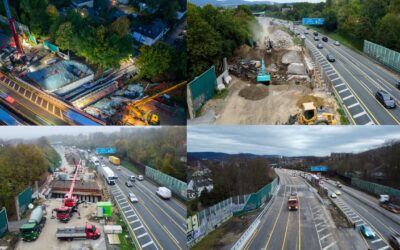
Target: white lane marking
point(359, 114)
point(351, 106)
point(347, 97)
point(325, 236)
point(142, 235)
point(137, 228)
point(330, 245)
point(147, 244)
point(322, 229)
point(374, 241)
point(343, 90)
point(337, 78)
point(383, 248)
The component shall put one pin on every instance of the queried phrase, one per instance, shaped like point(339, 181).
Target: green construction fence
point(374, 188)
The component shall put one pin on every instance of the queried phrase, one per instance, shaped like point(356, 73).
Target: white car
point(140, 178)
point(164, 193)
point(333, 195)
point(336, 43)
point(133, 198)
point(337, 192)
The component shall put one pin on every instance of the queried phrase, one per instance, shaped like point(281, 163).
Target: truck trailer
point(31, 230)
point(108, 175)
point(89, 231)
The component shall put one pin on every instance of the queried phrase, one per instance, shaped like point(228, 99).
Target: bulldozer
point(310, 115)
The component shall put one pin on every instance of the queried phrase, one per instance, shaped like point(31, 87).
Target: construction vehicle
point(293, 202)
point(70, 202)
point(268, 45)
point(13, 30)
point(30, 231)
point(310, 115)
point(148, 117)
point(89, 231)
point(114, 160)
point(387, 203)
point(263, 76)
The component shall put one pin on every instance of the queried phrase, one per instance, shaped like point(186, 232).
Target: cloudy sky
point(289, 140)
point(31, 132)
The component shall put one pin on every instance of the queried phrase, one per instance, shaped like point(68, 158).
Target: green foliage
point(215, 33)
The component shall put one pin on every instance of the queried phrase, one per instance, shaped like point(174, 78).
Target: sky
point(32, 132)
point(289, 140)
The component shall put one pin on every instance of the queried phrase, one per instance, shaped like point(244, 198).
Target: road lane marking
point(330, 245)
point(351, 106)
point(142, 235)
point(147, 244)
point(374, 241)
point(383, 248)
point(343, 90)
point(137, 228)
point(325, 236)
point(347, 97)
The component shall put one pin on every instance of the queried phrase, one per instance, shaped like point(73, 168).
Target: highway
point(364, 209)
point(164, 221)
point(361, 77)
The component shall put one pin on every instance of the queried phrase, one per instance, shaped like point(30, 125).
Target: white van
point(164, 193)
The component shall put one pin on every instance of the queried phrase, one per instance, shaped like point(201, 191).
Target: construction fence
point(374, 188)
point(176, 186)
point(200, 90)
point(3, 222)
point(383, 55)
point(22, 200)
point(209, 219)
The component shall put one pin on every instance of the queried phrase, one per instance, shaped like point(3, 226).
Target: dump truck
point(89, 231)
point(31, 230)
point(114, 160)
point(293, 202)
point(310, 115)
point(386, 202)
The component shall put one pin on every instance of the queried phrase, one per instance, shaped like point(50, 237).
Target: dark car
point(385, 98)
point(330, 58)
point(325, 39)
point(128, 184)
point(316, 38)
point(394, 241)
point(315, 33)
point(398, 84)
point(319, 46)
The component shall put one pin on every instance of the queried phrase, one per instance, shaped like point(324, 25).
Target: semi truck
point(89, 231)
point(114, 160)
point(293, 202)
point(108, 175)
point(31, 230)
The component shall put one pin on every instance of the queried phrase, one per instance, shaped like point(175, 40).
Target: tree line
point(21, 165)
point(374, 20)
point(160, 148)
point(214, 33)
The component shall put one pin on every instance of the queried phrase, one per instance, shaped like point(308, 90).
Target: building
point(85, 190)
point(149, 34)
point(82, 3)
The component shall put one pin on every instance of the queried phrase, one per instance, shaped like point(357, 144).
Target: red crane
point(13, 30)
point(70, 203)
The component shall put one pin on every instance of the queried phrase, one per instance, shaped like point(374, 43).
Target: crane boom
point(69, 200)
point(12, 27)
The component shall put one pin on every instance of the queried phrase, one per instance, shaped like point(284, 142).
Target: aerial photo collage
point(200, 124)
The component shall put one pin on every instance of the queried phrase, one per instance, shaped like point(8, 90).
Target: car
point(133, 198)
point(132, 178)
point(398, 84)
point(367, 231)
point(316, 38)
point(140, 178)
point(293, 194)
point(330, 58)
point(128, 184)
point(320, 46)
point(164, 193)
point(394, 241)
point(336, 43)
point(306, 33)
point(385, 98)
point(333, 195)
point(337, 192)
point(315, 33)
point(308, 28)
point(325, 39)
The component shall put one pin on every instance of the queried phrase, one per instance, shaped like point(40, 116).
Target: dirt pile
point(318, 101)
point(254, 92)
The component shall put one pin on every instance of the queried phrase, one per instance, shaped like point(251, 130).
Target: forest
point(214, 33)
point(234, 176)
point(160, 148)
point(379, 165)
point(21, 165)
point(374, 20)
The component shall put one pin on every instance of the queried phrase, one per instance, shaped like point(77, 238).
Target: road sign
point(313, 21)
point(319, 168)
point(102, 151)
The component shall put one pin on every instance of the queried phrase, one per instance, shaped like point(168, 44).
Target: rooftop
point(151, 30)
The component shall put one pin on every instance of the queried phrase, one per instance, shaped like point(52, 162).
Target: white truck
point(164, 193)
point(108, 175)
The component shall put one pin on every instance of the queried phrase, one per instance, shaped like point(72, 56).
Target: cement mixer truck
point(31, 230)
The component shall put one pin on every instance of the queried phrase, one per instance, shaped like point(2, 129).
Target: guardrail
point(250, 230)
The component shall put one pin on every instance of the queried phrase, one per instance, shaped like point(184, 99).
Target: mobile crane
point(70, 202)
point(13, 30)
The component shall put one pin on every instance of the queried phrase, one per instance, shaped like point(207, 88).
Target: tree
point(388, 31)
point(65, 35)
point(153, 61)
point(120, 26)
point(52, 11)
point(330, 20)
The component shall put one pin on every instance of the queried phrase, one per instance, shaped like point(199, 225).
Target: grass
point(221, 94)
point(296, 40)
point(126, 242)
point(349, 41)
point(212, 239)
point(343, 118)
point(129, 166)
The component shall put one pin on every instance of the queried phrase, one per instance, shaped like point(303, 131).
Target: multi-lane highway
point(364, 209)
point(156, 223)
point(359, 78)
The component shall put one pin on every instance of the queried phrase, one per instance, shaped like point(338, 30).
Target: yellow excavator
point(310, 115)
point(149, 118)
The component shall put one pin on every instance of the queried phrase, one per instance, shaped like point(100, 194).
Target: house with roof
point(82, 3)
point(149, 34)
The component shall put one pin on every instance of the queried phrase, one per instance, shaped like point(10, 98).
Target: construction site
point(274, 81)
point(73, 210)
